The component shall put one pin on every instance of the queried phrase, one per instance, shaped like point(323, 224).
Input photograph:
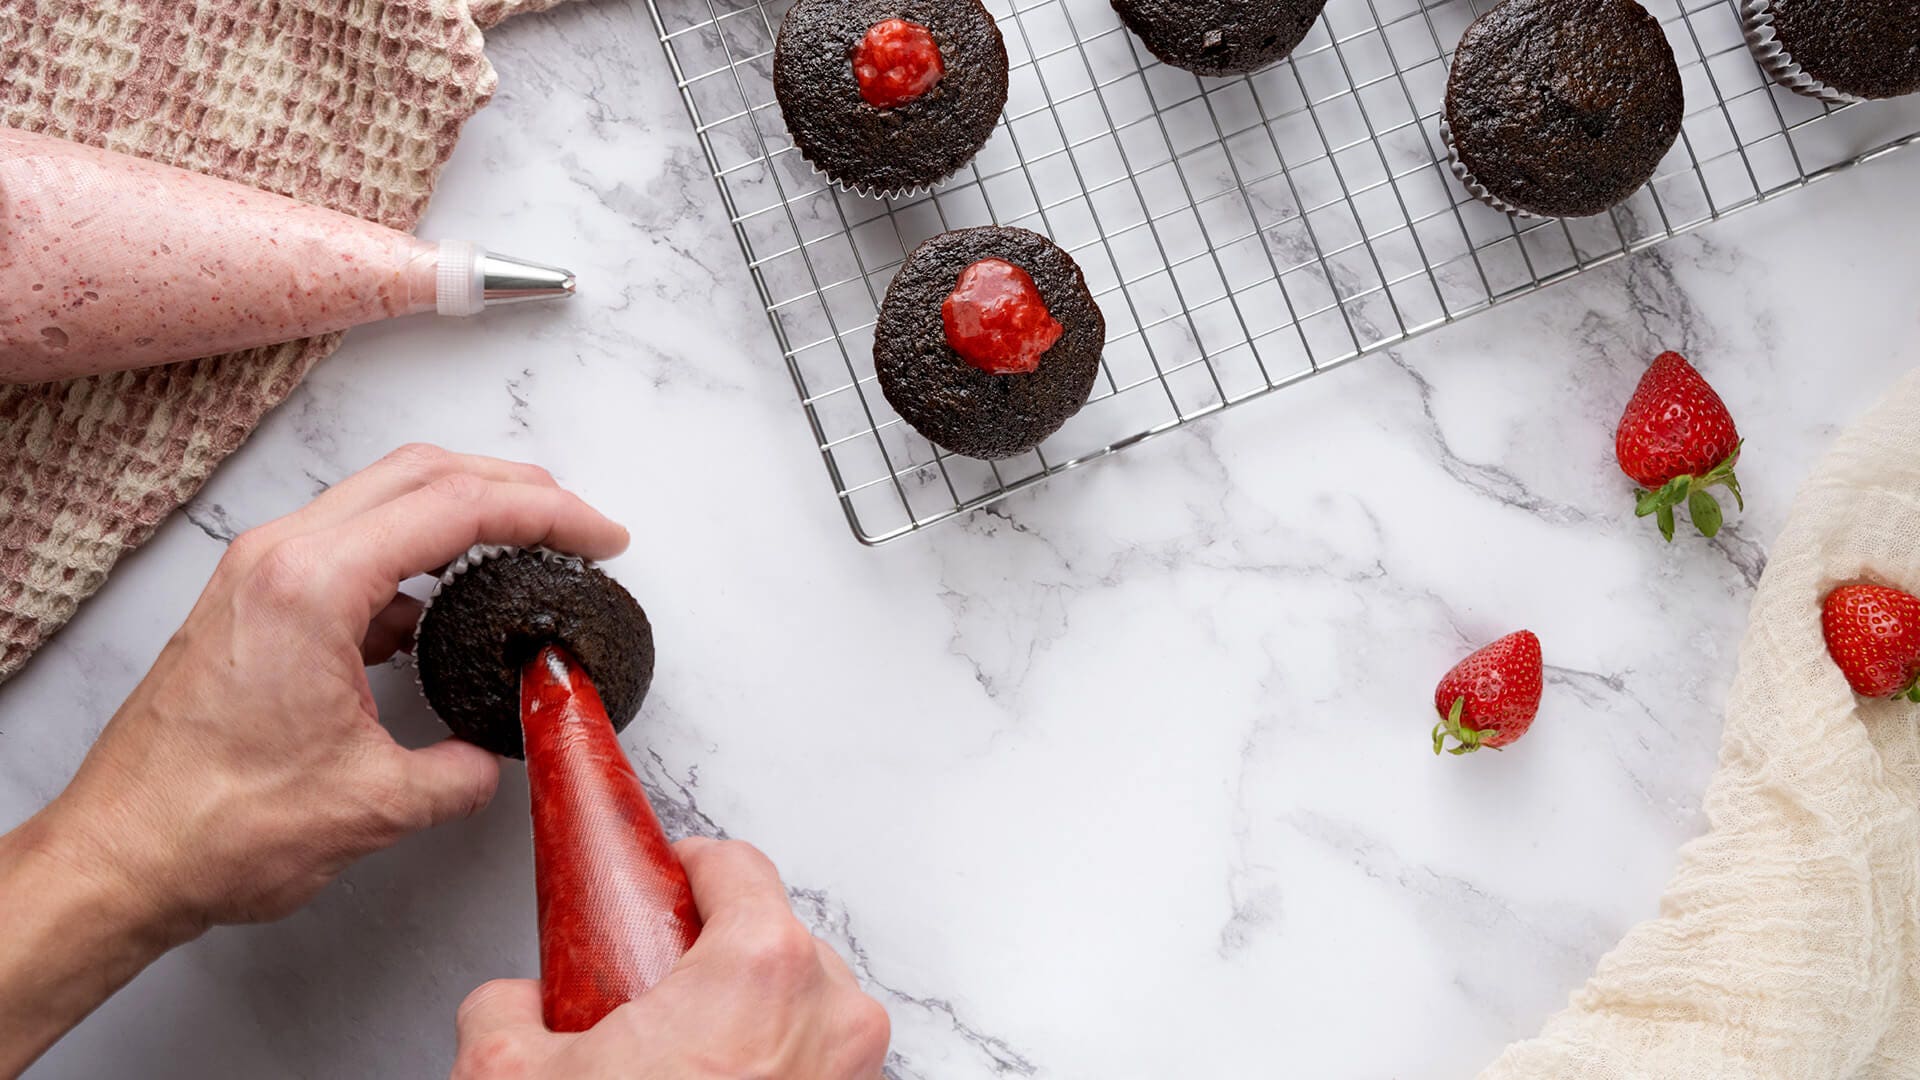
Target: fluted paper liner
point(1474, 187)
point(1756, 25)
point(876, 193)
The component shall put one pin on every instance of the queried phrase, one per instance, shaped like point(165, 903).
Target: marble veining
point(1127, 776)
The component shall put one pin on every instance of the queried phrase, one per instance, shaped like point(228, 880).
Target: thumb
point(451, 779)
point(498, 1006)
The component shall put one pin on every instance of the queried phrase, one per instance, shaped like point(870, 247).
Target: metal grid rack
point(1239, 234)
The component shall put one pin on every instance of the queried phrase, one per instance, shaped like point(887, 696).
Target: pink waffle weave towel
point(351, 104)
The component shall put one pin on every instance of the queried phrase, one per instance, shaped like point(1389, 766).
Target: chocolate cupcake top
point(885, 96)
point(493, 611)
point(1563, 107)
point(1031, 334)
point(1219, 37)
point(1860, 48)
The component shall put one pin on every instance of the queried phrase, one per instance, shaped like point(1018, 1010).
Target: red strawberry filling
point(896, 62)
point(996, 319)
point(616, 912)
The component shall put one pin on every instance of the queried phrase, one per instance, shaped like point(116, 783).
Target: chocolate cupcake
point(889, 97)
point(1219, 37)
point(495, 607)
point(1561, 108)
point(988, 340)
point(1837, 50)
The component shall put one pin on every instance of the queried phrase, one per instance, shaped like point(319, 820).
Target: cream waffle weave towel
point(352, 104)
point(1788, 943)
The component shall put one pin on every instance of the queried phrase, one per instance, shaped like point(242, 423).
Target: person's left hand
point(249, 767)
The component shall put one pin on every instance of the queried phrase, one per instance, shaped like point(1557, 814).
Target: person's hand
point(757, 995)
point(249, 767)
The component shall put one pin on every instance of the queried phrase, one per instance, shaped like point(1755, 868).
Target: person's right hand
point(757, 995)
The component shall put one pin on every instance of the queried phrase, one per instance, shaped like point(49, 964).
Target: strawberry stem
point(1910, 692)
point(1469, 739)
point(1702, 507)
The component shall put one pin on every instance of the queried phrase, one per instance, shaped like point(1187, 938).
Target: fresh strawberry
point(1489, 698)
point(1873, 633)
point(1676, 440)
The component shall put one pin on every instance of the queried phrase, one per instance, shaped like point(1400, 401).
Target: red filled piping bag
point(616, 912)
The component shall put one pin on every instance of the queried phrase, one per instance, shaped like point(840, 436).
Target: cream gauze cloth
point(1788, 942)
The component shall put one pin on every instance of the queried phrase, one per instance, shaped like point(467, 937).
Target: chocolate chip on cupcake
point(493, 610)
point(1561, 108)
point(988, 340)
point(888, 97)
point(1837, 50)
point(1219, 37)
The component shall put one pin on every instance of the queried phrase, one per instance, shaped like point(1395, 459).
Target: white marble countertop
point(1128, 777)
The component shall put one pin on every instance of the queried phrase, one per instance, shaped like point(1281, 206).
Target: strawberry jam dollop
point(896, 62)
point(996, 320)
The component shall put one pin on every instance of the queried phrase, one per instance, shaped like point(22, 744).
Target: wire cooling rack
point(1239, 234)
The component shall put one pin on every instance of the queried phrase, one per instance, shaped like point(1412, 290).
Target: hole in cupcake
point(54, 337)
point(523, 643)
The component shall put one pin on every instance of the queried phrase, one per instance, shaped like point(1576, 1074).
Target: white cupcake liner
point(865, 191)
point(1474, 187)
point(472, 557)
point(1756, 25)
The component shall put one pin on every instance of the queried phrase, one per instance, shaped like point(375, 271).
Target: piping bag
point(616, 912)
point(110, 262)
point(529, 653)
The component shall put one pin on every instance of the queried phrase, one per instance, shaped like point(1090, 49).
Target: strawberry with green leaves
point(1677, 441)
point(1490, 698)
point(1873, 633)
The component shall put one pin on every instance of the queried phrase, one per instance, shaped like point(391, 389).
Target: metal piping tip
point(507, 280)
